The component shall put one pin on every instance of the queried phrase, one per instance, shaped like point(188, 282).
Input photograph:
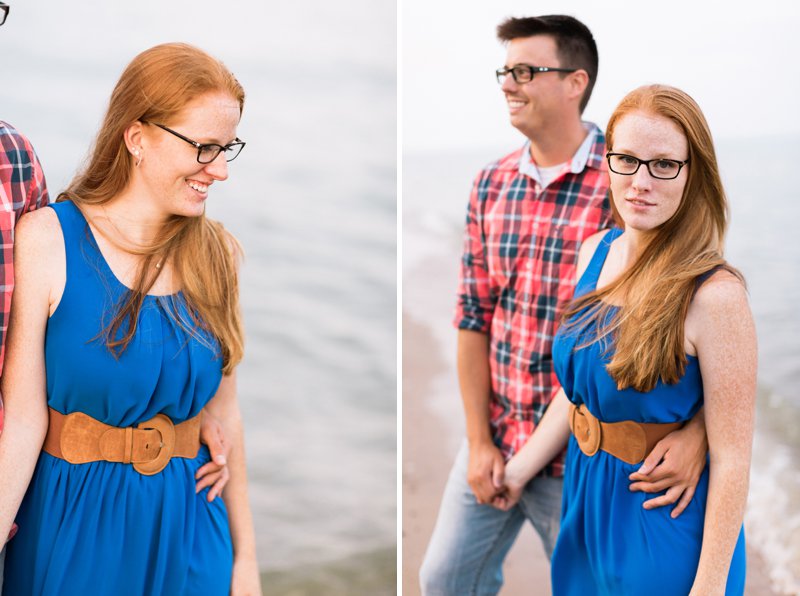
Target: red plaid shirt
point(518, 272)
point(22, 189)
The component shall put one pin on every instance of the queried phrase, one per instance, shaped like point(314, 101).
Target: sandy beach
point(427, 456)
point(433, 429)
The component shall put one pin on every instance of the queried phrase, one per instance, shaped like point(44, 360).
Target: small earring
point(138, 158)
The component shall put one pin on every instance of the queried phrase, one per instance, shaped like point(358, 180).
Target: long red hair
point(155, 87)
point(648, 330)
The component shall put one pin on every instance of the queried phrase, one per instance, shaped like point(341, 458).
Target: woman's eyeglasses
point(628, 165)
point(208, 152)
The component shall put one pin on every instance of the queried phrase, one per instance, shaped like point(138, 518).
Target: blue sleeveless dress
point(101, 527)
point(608, 544)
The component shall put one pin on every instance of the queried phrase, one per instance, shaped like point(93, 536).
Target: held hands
point(485, 471)
point(675, 464)
point(215, 473)
point(493, 481)
point(514, 485)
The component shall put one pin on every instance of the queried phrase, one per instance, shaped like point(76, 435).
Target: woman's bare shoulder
point(719, 307)
point(39, 226)
point(587, 250)
point(593, 241)
point(723, 289)
point(39, 244)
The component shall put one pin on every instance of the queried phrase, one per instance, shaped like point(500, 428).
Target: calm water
point(312, 199)
point(765, 206)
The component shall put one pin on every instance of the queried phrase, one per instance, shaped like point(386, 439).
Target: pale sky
point(739, 60)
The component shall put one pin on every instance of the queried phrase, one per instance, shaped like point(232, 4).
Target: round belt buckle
point(587, 431)
point(164, 426)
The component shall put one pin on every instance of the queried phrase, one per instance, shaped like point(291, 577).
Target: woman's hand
point(515, 482)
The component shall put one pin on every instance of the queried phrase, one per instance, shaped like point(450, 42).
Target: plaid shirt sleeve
point(476, 301)
point(22, 189)
point(37, 190)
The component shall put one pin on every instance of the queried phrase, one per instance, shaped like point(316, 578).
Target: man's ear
point(578, 81)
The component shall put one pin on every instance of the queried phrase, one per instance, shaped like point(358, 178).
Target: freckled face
point(644, 202)
point(172, 171)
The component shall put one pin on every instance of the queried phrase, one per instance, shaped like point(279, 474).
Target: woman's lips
point(639, 202)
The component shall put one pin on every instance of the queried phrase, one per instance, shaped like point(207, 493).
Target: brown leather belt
point(78, 438)
point(628, 440)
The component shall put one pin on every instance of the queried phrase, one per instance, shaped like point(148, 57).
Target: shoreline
point(372, 573)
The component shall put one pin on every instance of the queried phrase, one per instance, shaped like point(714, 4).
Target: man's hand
point(215, 473)
point(674, 465)
point(485, 471)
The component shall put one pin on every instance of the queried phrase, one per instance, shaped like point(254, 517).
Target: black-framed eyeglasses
point(628, 165)
point(4, 10)
point(523, 73)
point(208, 152)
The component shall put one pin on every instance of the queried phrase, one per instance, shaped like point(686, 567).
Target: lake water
point(312, 199)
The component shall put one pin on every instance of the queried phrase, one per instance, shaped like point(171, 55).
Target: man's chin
point(521, 124)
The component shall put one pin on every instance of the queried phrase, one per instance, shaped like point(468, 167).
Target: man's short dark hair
point(574, 42)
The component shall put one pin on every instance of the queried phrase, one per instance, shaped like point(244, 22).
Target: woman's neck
point(632, 243)
point(129, 217)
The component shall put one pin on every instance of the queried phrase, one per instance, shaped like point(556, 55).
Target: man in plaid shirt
point(528, 214)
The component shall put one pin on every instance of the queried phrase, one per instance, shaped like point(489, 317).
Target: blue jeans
point(470, 541)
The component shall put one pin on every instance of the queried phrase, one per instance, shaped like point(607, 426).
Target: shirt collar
point(590, 154)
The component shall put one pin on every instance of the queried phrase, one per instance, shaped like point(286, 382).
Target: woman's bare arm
point(38, 269)
point(225, 406)
point(721, 327)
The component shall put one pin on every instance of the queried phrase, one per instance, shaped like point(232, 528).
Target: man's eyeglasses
point(523, 73)
point(628, 165)
point(208, 152)
point(4, 9)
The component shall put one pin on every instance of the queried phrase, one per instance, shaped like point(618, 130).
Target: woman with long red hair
point(659, 328)
point(125, 327)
